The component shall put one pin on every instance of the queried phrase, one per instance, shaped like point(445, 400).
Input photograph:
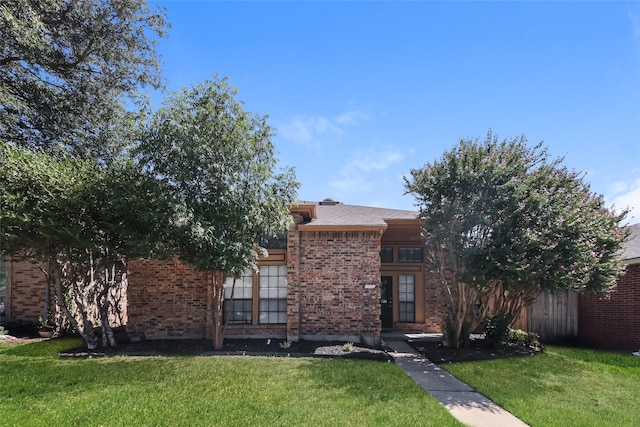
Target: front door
point(386, 302)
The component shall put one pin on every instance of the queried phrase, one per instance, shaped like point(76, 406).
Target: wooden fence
point(554, 317)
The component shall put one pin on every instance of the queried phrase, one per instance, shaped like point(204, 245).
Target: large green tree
point(85, 219)
point(504, 221)
point(220, 163)
point(68, 66)
point(69, 70)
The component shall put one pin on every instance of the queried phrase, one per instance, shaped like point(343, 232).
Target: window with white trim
point(268, 287)
point(273, 294)
point(407, 297)
point(240, 308)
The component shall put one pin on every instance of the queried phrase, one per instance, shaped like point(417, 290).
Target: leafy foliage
point(83, 217)
point(496, 329)
point(527, 339)
point(67, 66)
point(504, 222)
point(220, 165)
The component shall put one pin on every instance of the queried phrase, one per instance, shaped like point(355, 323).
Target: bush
point(496, 329)
point(527, 339)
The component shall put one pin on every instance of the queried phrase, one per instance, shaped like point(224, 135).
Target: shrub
point(528, 339)
point(497, 329)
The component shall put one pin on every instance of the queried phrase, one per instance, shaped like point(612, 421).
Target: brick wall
point(26, 292)
point(613, 322)
point(339, 276)
point(435, 301)
point(167, 299)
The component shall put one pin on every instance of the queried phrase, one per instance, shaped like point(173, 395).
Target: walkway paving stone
point(467, 405)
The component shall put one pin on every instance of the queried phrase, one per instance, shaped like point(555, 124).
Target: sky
point(359, 93)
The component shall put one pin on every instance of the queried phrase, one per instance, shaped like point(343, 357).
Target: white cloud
point(349, 182)
point(627, 195)
point(360, 173)
point(376, 159)
point(352, 117)
point(311, 130)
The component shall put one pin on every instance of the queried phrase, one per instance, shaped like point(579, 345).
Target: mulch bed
point(478, 349)
point(233, 347)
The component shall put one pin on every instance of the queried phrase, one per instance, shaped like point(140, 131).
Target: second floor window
point(410, 255)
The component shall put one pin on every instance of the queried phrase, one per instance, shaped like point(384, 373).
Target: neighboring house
point(342, 273)
point(614, 322)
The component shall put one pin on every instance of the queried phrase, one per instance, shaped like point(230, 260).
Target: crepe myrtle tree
point(67, 66)
point(220, 164)
point(85, 219)
point(503, 222)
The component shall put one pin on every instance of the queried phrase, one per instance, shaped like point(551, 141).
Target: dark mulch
point(233, 347)
point(478, 349)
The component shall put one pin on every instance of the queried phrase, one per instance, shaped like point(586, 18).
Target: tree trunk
point(218, 298)
point(86, 329)
point(103, 302)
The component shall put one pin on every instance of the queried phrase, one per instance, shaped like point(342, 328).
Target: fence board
point(554, 317)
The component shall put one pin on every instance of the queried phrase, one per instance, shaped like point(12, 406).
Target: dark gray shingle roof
point(632, 245)
point(360, 216)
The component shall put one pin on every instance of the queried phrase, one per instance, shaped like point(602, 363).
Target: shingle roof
point(632, 245)
point(341, 215)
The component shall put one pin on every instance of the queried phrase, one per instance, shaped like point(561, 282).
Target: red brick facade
point(166, 299)
point(338, 287)
point(333, 293)
point(333, 275)
point(26, 291)
point(613, 322)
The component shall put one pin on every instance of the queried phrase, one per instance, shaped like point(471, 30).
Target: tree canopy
point(83, 219)
point(220, 164)
point(67, 68)
point(505, 221)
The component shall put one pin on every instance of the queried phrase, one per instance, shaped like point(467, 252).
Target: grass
point(561, 387)
point(38, 388)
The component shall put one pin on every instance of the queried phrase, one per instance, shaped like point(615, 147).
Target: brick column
point(293, 280)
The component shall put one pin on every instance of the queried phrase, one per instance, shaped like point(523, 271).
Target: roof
point(631, 252)
point(338, 216)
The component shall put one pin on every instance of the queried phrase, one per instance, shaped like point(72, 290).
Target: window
point(269, 287)
point(410, 255)
point(386, 254)
point(241, 309)
point(407, 297)
point(273, 294)
point(276, 242)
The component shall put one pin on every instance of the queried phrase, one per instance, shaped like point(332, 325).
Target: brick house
point(343, 272)
point(614, 322)
point(23, 291)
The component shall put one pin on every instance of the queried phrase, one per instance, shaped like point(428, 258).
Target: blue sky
point(359, 93)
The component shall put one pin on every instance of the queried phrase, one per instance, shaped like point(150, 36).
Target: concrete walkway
point(467, 405)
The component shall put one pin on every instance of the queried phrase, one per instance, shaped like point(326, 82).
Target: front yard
point(561, 387)
point(38, 388)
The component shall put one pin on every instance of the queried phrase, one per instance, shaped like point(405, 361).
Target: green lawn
point(561, 387)
point(38, 388)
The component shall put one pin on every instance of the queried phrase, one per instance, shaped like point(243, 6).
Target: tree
point(504, 222)
point(220, 164)
point(85, 219)
point(69, 69)
point(66, 68)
